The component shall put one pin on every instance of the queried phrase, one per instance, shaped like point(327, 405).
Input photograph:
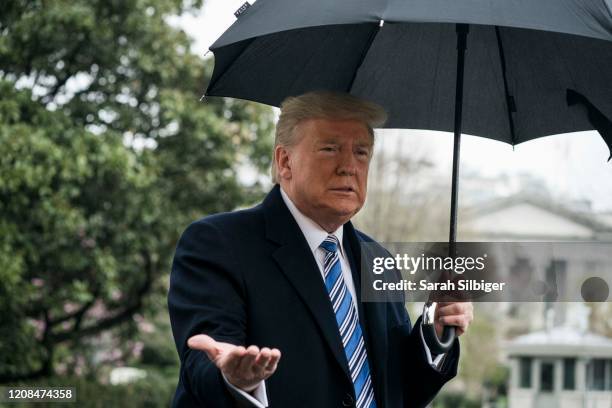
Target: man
point(265, 302)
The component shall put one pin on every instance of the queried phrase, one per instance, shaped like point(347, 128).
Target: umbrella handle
point(435, 344)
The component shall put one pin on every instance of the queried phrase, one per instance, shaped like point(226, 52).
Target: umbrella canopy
point(533, 68)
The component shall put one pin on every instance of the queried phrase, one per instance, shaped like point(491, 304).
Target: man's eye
point(363, 152)
point(328, 149)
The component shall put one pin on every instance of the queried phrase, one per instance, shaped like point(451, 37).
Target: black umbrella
point(534, 68)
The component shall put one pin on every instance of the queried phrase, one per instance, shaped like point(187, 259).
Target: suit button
point(348, 401)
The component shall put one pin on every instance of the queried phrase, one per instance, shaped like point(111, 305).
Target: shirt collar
point(312, 231)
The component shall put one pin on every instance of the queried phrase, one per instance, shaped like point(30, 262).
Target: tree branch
point(77, 314)
point(121, 316)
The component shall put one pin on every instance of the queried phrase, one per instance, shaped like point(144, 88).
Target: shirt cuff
point(436, 362)
point(257, 397)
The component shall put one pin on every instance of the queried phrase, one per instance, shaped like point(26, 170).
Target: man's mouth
point(347, 189)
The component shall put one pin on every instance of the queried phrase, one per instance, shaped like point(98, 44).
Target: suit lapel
point(299, 266)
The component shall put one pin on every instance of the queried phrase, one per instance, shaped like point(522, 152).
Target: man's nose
point(347, 163)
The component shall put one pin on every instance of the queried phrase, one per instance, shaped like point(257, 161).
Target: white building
point(562, 367)
point(575, 252)
point(565, 365)
point(531, 218)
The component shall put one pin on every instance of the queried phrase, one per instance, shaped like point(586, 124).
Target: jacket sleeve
point(206, 296)
point(423, 383)
point(420, 381)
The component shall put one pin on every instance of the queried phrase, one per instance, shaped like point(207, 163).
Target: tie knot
point(330, 244)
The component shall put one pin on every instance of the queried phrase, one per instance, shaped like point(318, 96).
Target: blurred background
point(107, 153)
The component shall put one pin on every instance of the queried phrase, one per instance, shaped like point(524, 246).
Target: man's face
point(326, 172)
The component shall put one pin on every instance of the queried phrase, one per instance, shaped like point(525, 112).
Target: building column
point(581, 373)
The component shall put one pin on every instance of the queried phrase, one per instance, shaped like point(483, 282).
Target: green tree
point(106, 154)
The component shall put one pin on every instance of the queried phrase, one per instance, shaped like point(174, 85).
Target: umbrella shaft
point(462, 31)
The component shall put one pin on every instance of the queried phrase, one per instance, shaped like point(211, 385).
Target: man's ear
point(281, 158)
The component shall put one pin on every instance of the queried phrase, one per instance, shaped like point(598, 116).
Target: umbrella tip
point(203, 98)
point(381, 23)
point(245, 6)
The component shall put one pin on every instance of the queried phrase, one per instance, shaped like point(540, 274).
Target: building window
point(569, 373)
point(597, 374)
point(547, 377)
point(525, 372)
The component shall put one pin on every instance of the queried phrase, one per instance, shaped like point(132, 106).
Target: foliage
point(455, 400)
point(106, 154)
point(479, 366)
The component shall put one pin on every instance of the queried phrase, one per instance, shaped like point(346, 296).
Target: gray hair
point(323, 105)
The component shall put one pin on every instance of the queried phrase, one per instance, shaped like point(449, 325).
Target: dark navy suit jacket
point(249, 277)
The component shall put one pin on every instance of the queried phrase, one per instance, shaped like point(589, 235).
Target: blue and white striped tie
point(348, 324)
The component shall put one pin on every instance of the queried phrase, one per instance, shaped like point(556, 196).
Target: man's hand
point(458, 314)
point(243, 367)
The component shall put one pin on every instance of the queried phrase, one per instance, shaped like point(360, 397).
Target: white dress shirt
point(315, 235)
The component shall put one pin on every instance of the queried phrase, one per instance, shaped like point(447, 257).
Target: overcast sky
point(574, 165)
